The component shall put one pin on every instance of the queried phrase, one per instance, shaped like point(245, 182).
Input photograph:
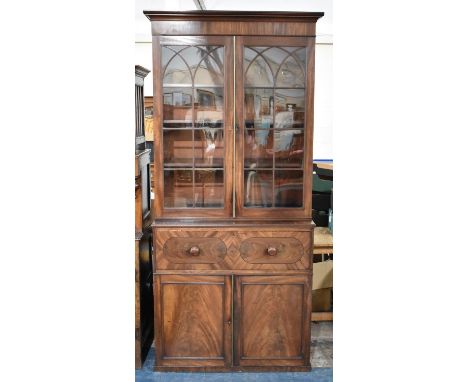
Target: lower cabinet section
point(203, 323)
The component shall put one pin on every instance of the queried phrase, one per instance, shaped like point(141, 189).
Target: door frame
point(227, 42)
point(274, 212)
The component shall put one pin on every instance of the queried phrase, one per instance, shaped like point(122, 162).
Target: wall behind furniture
point(323, 147)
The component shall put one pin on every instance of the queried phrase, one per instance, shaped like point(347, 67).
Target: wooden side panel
point(272, 320)
point(193, 320)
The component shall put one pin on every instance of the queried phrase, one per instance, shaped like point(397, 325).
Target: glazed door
point(272, 320)
point(193, 320)
point(193, 116)
point(274, 116)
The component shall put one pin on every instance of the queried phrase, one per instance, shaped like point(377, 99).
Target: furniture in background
point(322, 193)
point(322, 202)
point(143, 234)
point(233, 231)
point(322, 286)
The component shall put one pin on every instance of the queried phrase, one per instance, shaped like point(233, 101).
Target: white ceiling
point(324, 25)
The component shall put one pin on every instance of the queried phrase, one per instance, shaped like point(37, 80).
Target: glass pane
point(178, 188)
point(177, 71)
point(257, 71)
point(209, 107)
point(288, 188)
point(275, 57)
point(178, 148)
point(289, 148)
point(186, 65)
point(193, 127)
point(209, 147)
point(289, 108)
point(209, 188)
point(258, 108)
point(258, 148)
point(210, 69)
point(291, 72)
point(177, 108)
point(258, 188)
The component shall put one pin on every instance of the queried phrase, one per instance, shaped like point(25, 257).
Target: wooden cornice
point(252, 16)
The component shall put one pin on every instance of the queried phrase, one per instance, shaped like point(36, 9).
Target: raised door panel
point(193, 320)
point(272, 320)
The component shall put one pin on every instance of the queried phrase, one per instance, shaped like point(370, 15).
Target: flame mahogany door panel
point(272, 320)
point(193, 320)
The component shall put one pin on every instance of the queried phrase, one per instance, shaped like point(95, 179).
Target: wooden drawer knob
point(194, 251)
point(272, 251)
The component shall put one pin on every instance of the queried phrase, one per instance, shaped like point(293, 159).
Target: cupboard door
point(193, 79)
point(193, 320)
point(272, 320)
point(274, 112)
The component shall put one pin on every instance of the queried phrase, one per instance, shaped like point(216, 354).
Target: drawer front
point(241, 249)
point(271, 250)
point(194, 250)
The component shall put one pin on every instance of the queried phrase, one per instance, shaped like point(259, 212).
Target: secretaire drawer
point(270, 250)
point(194, 250)
point(231, 249)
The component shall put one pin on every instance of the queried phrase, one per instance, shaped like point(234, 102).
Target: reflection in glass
point(209, 106)
point(186, 65)
point(258, 148)
point(209, 147)
point(289, 148)
point(209, 188)
point(258, 108)
point(257, 71)
point(275, 56)
point(210, 69)
point(258, 188)
point(177, 107)
point(178, 148)
point(274, 66)
point(288, 188)
point(176, 71)
point(178, 188)
point(289, 108)
point(290, 74)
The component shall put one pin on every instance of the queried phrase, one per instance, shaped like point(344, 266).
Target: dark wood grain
point(283, 250)
point(177, 250)
point(233, 23)
point(193, 320)
point(294, 249)
point(271, 320)
point(232, 285)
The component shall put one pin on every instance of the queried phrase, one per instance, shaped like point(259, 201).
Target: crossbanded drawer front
point(193, 249)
